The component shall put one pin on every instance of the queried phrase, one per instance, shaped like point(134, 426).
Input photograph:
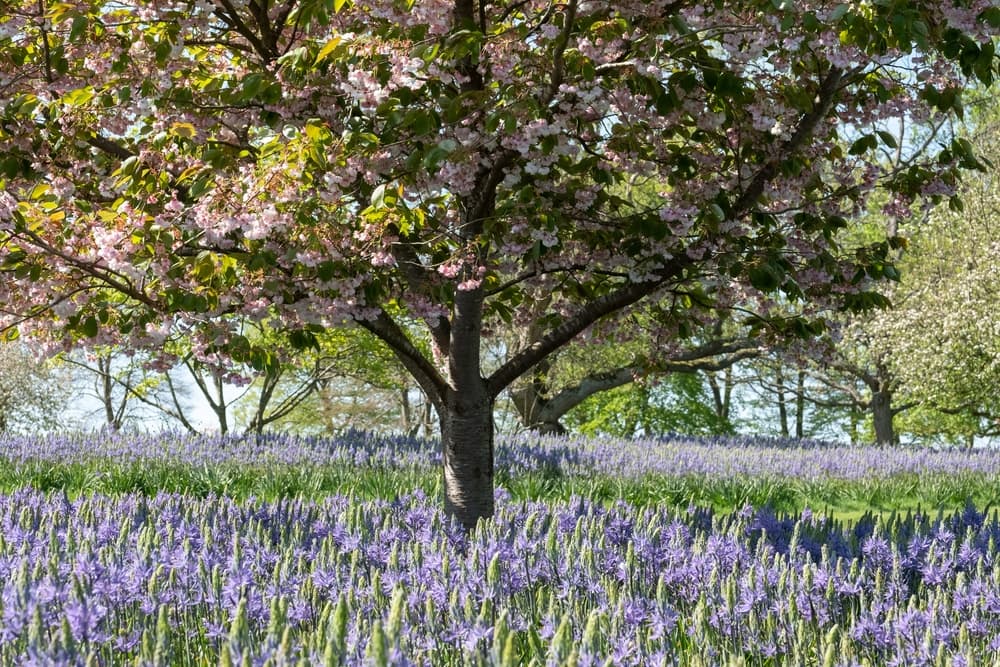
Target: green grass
point(843, 498)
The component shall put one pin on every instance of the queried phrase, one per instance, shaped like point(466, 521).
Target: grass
point(844, 498)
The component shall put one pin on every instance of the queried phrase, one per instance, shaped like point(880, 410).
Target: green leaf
point(434, 157)
point(887, 139)
point(302, 339)
point(378, 196)
point(204, 267)
point(199, 186)
point(326, 271)
point(89, 327)
point(991, 16)
point(862, 145)
point(78, 28)
point(316, 132)
point(251, 86)
point(839, 12)
point(328, 48)
point(765, 277)
point(78, 97)
point(420, 121)
point(185, 130)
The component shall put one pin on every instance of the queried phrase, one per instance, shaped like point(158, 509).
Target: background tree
point(192, 164)
point(678, 402)
point(943, 337)
point(125, 386)
point(34, 394)
point(350, 382)
point(843, 384)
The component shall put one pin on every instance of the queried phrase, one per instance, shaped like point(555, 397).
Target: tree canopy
point(942, 339)
point(177, 167)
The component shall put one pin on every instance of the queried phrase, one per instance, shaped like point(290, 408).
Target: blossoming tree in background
point(942, 340)
point(180, 168)
point(33, 393)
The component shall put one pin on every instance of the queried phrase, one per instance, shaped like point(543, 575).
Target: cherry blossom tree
point(172, 168)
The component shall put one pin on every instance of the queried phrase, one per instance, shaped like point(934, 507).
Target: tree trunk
point(530, 405)
point(779, 379)
point(467, 448)
point(882, 418)
point(406, 412)
point(220, 408)
point(800, 405)
point(107, 389)
point(721, 393)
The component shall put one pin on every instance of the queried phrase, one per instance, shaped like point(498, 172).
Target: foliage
point(203, 157)
point(676, 403)
point(943, 336)
point(33, 393)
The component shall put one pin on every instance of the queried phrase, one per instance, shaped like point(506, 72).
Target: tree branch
point(825, 97)
point(231, 17)
point(600, 307)
point(110, 147)
point(705, 358)
point(423, 371)
point(415, 274)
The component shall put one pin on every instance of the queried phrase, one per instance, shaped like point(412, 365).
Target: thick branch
point(570, 397)
point(701, 359)
point(110, 147)
point(416, 276)
point(231, 16)
point(825, 97)
point(600, 307)
point(423, 371)
point(558, 57)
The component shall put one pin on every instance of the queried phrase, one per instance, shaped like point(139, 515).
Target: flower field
point(191, 574)
point(176, 580)
point(725, 473)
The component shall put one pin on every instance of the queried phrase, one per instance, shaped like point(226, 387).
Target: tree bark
point(882, 418)
point(467, 448)
point(107, 392)
point(779, 379)
point(800, 404)
point(406, 412)
point(532, 407)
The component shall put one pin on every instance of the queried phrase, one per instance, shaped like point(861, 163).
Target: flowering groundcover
point(171, 579)
point(722, 472)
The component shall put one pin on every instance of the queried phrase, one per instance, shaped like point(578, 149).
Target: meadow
point(174, 550)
